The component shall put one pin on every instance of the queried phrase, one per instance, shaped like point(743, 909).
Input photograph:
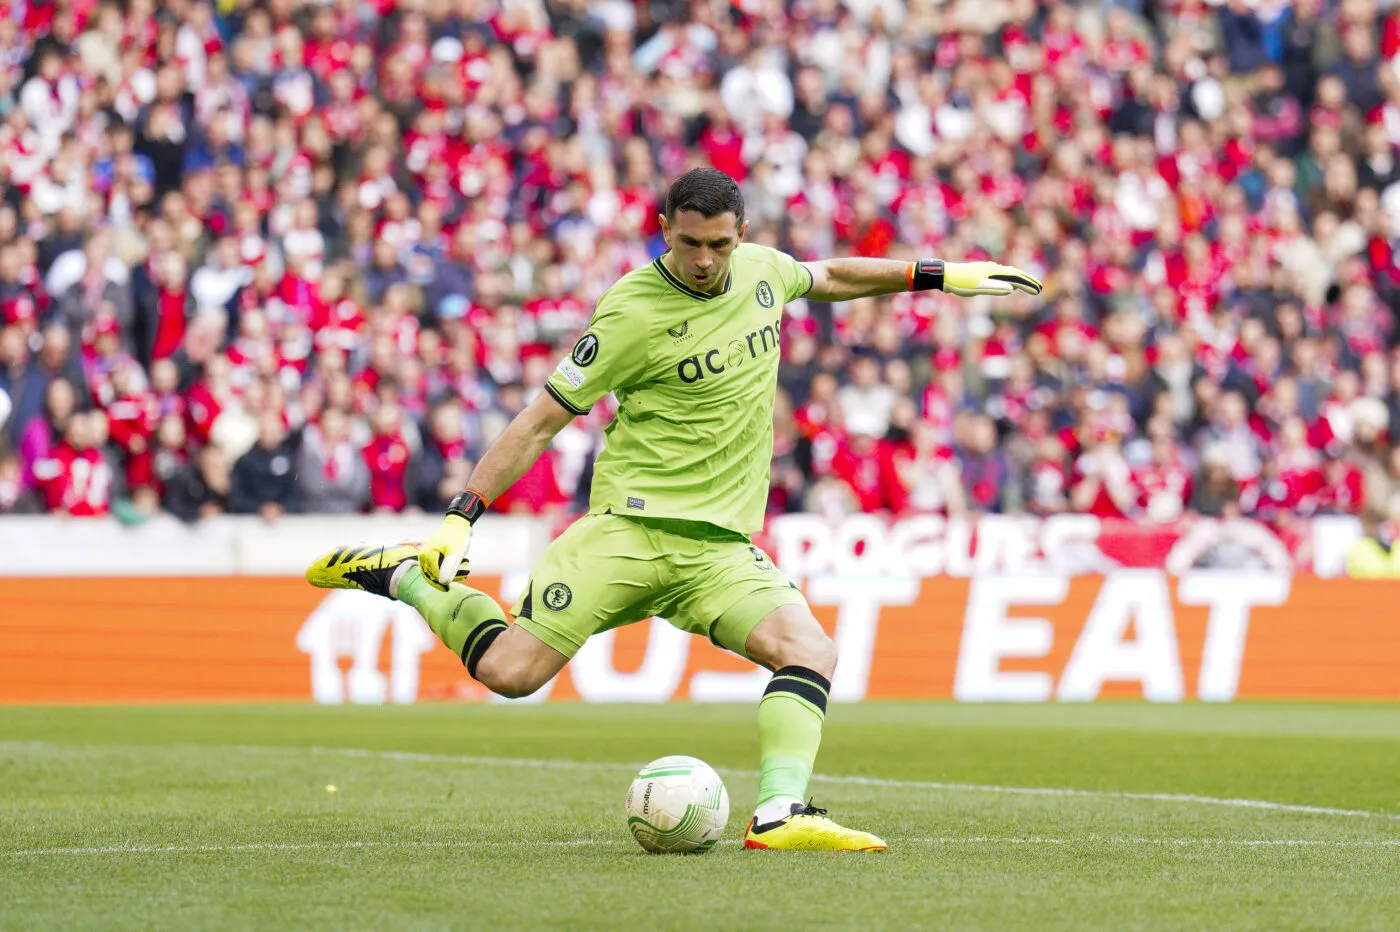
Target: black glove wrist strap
point(469, 505)
point(927, 275)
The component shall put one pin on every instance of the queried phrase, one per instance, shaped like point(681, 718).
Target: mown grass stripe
point(835, 779)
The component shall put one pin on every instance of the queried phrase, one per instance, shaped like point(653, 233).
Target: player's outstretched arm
point(847, 279)
point(444, 556)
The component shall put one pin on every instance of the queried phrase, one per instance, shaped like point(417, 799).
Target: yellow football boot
point(368, 567)
point(808, 829)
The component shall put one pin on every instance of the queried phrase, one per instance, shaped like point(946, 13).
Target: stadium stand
point(285, 256)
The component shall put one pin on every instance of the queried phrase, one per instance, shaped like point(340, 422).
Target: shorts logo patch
point(764, 294)
point(586, 350)
point(637, 503)
point(571, 373)
point(557, 597)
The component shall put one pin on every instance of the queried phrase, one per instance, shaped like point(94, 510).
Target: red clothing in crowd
point(1154, 480)
point(861, 468)
point(1341, 490)
point(387, 458)
point(1047, 488)
point(78, 482)
point(911, 484)
point(204, 409)
point(535, 491)
point(170, 328)
point(132, 423)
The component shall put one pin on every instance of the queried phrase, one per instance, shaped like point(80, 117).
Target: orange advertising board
point(1139, 633)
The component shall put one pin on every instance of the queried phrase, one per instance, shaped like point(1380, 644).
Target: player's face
point(701, 247)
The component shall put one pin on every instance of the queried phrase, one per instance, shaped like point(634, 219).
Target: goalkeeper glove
point(967, 279)
point(444, 555)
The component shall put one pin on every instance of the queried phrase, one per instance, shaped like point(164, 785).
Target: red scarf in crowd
point(170, 327)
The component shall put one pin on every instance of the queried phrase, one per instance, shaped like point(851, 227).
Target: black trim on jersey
point(685, 289)
point(564, 403)
point(811, 282)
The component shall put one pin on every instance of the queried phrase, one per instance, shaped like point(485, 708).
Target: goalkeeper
point(689, 345)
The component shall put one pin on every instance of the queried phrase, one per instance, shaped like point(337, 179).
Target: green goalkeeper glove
point(444, 555)
point(969, 279)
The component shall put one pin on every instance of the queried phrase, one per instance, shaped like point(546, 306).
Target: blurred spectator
point(1375, 556)
point(387, 457)
point(1103, 480)
point(45, 429)
point(983, 469)
point(443, 466)
point(200, 488)
point(331, 475)
point(20, 379)
point(1215, 492)
point(867, 401)
point(15, 498)
point(922, 475)
point(264, 480)
point(74, 477)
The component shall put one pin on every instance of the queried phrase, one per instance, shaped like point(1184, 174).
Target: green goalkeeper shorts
point(606, 571)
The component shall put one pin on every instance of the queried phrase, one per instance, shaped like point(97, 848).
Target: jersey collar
point(685, 289)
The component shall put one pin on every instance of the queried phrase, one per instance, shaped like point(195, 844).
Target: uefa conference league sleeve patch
point(585, 350)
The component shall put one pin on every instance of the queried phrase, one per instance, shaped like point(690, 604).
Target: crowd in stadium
point(274, 256)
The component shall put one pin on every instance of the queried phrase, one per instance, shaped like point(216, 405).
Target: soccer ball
point(677, 805)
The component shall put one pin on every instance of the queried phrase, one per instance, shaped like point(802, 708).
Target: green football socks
point(464, 619)
point(790, 717)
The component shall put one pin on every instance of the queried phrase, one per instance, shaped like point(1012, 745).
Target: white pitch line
point(852, 780)
point(837, 779)
point(1088, 842)
point(304, 846)
point(1092, 841)
point(1104, 794)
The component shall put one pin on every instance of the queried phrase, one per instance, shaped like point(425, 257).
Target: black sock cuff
point(803, 683)
point(478, 641)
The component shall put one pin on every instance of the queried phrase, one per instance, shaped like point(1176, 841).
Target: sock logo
point(557, 597)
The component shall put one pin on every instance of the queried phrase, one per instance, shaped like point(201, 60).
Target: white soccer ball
point(677, 805)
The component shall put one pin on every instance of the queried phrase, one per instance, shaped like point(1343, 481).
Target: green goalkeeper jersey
point(695, 377)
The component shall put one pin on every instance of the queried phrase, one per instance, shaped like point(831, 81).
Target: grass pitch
point(1110, 816)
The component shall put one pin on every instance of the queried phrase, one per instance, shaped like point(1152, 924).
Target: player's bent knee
point(793, 638)
point(811, 649)
point(820, 651)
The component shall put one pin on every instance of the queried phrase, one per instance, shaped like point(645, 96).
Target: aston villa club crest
point(557, 597)
point(764, 294)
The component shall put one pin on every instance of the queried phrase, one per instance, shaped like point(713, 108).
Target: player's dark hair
point(707, 191)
